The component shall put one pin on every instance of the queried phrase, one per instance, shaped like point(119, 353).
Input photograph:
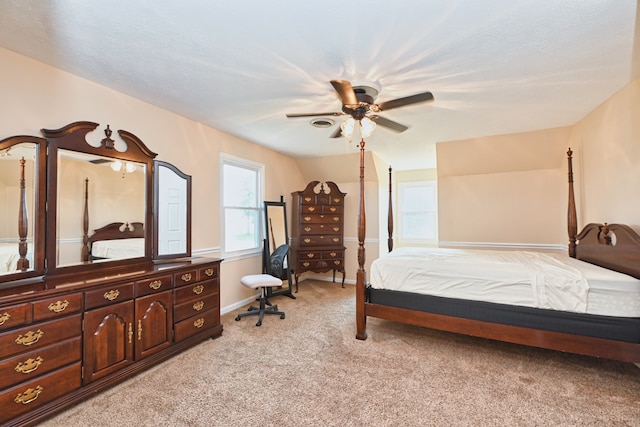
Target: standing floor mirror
point(276, 234)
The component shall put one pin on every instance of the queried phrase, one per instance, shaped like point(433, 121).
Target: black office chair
point(274, 271)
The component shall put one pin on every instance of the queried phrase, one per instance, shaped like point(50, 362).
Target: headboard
point(612, 246)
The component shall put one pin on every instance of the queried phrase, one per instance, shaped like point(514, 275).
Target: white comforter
point(530, 279)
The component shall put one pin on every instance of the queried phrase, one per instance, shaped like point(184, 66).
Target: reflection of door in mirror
point(172, 198)
point(113, 192)
point(276, 234)
point(17, 201)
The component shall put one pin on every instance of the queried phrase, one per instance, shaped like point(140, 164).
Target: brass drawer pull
point(336, 262)
point(209, 272)
point(198, 289)
point(29, 395)
point(130, 333)
point(307, 229)
point(4, 317)
point(198, 306)
point(311, 209)
point(29, 365)
point(155, 285)
point(332, 209)
point(336, 228)
point(336, 200)
point(307, 240)
point(307, 218)
point(336, 218)
point(58, 306)
point(336, 239)
point(186, 277)
point(333, 254)
point(310, 255)
point(199, 323)
point(111, 295)
point(307, 199)
point(139, 329)
point(306, 263)
point(29, 338)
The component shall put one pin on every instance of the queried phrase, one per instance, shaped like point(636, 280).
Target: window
point(241, 203)
point(418, 211)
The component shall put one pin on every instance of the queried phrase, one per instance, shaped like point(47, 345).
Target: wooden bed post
point(572, 218)
point(361, 318)
point(23, 223)
point(390, 215)
point(85, 222)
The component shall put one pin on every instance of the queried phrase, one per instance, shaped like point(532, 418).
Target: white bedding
point(532, 279)
point(118, 248)
point(9, 257)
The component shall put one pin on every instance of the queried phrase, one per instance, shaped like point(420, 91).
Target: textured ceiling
point(494, 66)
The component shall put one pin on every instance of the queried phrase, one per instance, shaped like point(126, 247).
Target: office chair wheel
point(259, 324)
point(282, 316)
point(238, 318)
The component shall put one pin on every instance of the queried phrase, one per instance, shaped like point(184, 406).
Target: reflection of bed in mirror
point(116, 240)
point(15, 255)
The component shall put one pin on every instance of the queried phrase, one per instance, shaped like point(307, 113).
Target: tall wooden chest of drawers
point(317, 237)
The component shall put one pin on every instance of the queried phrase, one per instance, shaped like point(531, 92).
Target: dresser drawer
point(106, 296)
point(39, 335)
point(32, 394)
point(14, 315)
point(35, 363)
point(194, 307)
point(211, 272)
point(185, 278)
point(196, 324)
point(153, 285)
point(196, 290)
point(306, 218)
point(57, 307)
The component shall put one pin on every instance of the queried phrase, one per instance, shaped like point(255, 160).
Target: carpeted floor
point(309, 370)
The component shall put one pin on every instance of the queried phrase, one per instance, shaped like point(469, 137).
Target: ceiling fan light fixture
point(367, 126)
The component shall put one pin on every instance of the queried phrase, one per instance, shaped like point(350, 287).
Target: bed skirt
point(606, 327)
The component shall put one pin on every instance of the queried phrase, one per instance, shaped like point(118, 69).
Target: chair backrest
point(275, 266)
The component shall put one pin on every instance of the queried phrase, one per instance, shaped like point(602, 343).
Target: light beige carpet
point(309, 370)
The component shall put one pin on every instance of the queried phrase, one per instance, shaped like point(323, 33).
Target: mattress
point(9, 257)
point(518, 278)
point(118, 249)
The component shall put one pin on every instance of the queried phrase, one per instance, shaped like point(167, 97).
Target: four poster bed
point(585, 303)
point(17, 257)
point(116, 240)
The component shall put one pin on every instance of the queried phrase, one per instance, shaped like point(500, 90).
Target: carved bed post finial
point(572, 221)
point(390, 215)
point(361, 319)
point(23, 216)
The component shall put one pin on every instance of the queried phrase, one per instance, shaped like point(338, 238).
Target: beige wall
point(45, 97)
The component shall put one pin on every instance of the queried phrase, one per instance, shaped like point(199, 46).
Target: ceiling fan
point(359, 103)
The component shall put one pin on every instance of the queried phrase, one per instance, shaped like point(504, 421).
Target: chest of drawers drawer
point(38, 362)
point(43, 389)
point(40, 335)
point(185, 277)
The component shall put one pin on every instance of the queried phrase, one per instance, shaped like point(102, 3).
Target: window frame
point(258, 168)
point(401, 211)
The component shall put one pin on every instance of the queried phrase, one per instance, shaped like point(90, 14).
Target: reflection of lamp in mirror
point(125, 167)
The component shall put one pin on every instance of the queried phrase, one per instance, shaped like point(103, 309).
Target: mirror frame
point(267, 246)
point(73, 138)
point(157, 164)
point(38, 222)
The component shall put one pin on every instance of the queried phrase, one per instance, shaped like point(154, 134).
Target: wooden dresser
point(49, 360)
point(317, 237)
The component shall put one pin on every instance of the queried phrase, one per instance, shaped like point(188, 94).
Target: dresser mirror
point(22, 182)
point(99, 198)
point(276, 234)
point(172, 207)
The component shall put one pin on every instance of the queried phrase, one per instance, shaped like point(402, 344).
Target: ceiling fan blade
point(390, 124)
point(345, 91)
point(333, 113)
point(337, 133)
point(408, 100)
